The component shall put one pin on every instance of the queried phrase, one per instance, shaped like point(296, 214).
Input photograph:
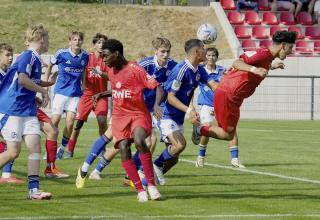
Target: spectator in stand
point(285, 4)
point(317, 11)
point(247, 4)
point(304, 5)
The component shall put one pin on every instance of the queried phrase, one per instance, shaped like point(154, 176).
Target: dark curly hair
point(284, 37)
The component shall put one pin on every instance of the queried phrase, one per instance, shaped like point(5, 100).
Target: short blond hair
point(35, 33)
point(76, 33)
point(161, 42)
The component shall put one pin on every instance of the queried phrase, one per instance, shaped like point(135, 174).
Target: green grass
point(288, 148)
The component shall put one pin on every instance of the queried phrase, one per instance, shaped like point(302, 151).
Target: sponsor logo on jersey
point(68, 62)
point(73, 70)
point(121, 94)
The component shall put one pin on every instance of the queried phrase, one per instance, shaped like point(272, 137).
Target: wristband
point(252, 69)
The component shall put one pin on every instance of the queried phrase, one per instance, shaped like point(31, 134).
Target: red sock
point(204, 130)
point(146, 161)
point(51, 147)
point(132, 172)
point(71, 145)
point(3, 146)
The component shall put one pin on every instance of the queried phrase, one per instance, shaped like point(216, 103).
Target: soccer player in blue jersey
point(18, 116)
point(68, 89)
point(179, 89)
point(158, 66)
point(205, 102)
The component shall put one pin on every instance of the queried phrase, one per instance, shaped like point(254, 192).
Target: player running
point(96, 83)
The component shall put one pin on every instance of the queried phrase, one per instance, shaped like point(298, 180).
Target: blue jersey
point(161, 74)
point(71, 68)
point(18, 100)
point(206, 94)
point(2, 75)
point(182, 81)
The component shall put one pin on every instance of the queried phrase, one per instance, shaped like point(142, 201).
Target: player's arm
point(277, 65)
point(27, 83)
point(51, 81)
point(159, 97)
point(97, 96)
point(103, 74)
point(212, 84)
point(239, 64)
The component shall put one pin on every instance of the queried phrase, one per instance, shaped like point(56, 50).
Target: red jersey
point(128, 85)
point(241, 84)
point(94, 82)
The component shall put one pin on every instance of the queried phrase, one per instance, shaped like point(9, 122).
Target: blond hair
point(161, 42)
point(76, 33)
point(35, 33)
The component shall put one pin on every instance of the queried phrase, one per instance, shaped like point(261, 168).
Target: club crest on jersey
point(168, 72)
point(198, 76)
point(176, 85)
point(83, 63)
point(118, 85)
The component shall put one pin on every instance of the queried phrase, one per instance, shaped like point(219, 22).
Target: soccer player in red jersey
point(131, 121)
point(96, 82)
point(241, 81)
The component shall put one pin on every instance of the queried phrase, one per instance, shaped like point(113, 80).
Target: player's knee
point(53, 133)
point(79, 125)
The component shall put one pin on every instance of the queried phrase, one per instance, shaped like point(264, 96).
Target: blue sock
point(234, 152)
point(136, 160)
point(103, 162)
point(8, 167)
point(165, 156)
point(96, 149)
point(33, 182)
point(64, 141)
point(202, 150)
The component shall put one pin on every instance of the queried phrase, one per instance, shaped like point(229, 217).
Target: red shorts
point(43, 117)
point(227, 113)
point(86, 106)
point(123, 126)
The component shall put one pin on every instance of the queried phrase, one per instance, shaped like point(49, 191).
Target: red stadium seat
point(287, 18)
point(252, 17)
point(313, 33)
point(264, 5)
point(265, 43)
point(269, 18)
point(248, 45)
point(302, 47)
point(260, 32)
point(235, 18)
point(304, 18)
point(274, 29)
point(242, 32)
point(298, 30)
point(228, 4)
point(316, 47)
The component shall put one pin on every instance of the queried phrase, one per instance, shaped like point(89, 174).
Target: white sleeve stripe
point(182, 72)
point(145, 63)
point(60, 51)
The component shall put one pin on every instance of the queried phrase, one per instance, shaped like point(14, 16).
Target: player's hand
point(278, 65)
point(53, 77)
point(194, 117)
point(261, 72)
point(95, 71)
point(38, 102)
point(45, 99)
point(157, 111)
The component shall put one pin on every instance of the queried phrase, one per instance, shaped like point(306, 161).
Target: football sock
point(33, 182)
point(103, 162)
point(202, 150)
point(146, 161)
point(96, 149)
point(8, 168)
point(51, 147)
point(136, 159)
point(71, 145)
point(132, 172)
point(64, 142)
point(165, 155)
point(234, 152)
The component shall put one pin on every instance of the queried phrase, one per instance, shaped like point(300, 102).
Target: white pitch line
point(301, 179)
point(165, 216)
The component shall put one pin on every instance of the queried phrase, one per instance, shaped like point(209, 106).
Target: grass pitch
point(282, 181)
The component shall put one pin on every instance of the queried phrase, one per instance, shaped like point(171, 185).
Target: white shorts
point(61, 103)
point(206, 114)
point(154, 120)
point(167, 127)
point(16, 127)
